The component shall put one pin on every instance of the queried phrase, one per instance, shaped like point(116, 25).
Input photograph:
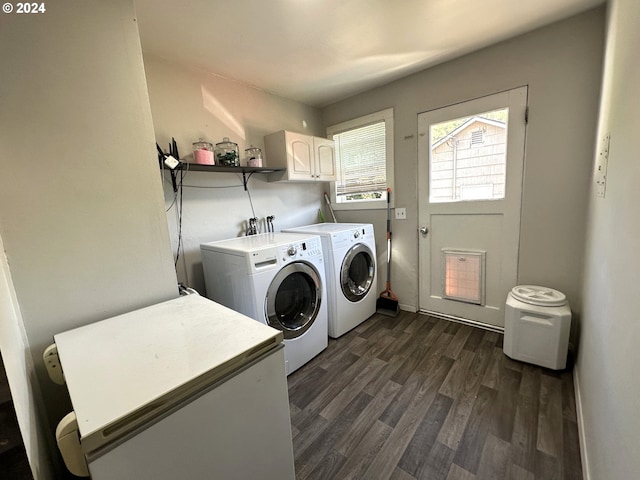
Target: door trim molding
point(508, 211)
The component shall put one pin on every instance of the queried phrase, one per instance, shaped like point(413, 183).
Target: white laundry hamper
point(537, 325)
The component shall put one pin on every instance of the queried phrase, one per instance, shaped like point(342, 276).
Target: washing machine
point(350, 259)
point(277, 279)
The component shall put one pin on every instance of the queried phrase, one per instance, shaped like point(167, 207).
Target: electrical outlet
point(401, 213)
point(52, 364)
point(601, 166)
point(171, 162)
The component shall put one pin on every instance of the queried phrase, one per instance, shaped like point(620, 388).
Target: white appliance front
point(277, 279)
point(350, 258)
point(177, 390)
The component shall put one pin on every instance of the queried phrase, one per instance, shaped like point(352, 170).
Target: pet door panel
point(463, 276)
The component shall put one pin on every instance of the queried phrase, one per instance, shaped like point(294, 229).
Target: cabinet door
point(325, 164)
point(299, 156)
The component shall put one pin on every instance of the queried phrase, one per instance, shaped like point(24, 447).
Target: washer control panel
point(301, 250)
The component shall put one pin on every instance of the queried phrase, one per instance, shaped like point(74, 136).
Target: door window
point(468, 158)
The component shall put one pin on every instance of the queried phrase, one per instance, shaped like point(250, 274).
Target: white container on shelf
point(537, 326)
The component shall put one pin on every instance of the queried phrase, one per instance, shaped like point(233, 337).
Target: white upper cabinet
point(306, 158)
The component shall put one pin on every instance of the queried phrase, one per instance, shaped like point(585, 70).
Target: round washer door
point(293, 299)
point(357, 272)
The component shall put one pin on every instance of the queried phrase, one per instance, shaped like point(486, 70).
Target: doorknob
point(423, 230)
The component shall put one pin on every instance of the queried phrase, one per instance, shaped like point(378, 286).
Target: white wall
point(608, 388)
point(561, 64)
point(18, 364)
point(81, 209)
point(188, 104)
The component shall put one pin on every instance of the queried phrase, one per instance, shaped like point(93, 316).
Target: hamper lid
point(541, 296)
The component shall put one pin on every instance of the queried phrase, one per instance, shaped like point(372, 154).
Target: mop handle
point(388, 238)
point(333, 215)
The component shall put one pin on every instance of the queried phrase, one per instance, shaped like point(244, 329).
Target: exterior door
point(470, 167)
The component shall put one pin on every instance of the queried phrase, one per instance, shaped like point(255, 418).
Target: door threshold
point(466, 321)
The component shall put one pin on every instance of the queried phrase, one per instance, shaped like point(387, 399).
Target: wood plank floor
point(414, 397)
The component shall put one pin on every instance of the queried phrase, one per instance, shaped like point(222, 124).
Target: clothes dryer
point(277, 279)
point(350, 259)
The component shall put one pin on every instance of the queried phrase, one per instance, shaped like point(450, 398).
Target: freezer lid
point(124, 371)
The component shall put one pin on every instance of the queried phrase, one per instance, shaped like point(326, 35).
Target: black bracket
point(245, 179)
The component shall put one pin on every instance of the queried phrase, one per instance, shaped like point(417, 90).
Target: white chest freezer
point(184, 389)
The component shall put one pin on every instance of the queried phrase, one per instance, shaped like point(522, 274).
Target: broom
point(387, 303)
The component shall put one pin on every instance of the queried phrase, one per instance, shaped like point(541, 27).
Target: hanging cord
point(179, 219)
point(253, 221)
point(177, 179)
point(179, 212)
point(246, 187)
point(251, 202)
point(177, 201)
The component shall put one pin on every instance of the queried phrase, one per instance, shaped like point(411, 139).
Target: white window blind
point(362, 162)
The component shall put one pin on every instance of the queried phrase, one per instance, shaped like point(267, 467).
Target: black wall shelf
point(245, 171)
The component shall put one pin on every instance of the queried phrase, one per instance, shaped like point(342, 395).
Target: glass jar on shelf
point(203, 152)
point(227, 153)
point(254, 156)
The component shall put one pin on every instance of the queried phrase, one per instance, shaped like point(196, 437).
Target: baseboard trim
point(408, 308)
point(466, 321)
point(580, 419)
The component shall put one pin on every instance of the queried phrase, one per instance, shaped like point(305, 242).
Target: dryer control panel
point(349, 237)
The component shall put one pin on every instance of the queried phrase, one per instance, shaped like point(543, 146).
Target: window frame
point(385, 115)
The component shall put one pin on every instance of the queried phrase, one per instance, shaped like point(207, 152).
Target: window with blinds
point(361, 163)
point(364, 151)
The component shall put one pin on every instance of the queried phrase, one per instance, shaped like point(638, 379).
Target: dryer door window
point(293, 299)
point(357, 272)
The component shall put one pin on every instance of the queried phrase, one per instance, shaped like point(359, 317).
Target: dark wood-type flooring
point(414, 397)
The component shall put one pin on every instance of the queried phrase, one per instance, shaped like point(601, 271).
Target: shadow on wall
point(574, 335)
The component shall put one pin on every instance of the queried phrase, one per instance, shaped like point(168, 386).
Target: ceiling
point(320, 51)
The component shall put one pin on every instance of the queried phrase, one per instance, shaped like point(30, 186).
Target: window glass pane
point(468, 158)
point(361, 163)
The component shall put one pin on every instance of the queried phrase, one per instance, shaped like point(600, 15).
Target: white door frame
point(490, 315)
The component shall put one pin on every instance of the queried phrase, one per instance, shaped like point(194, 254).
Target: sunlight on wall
point(213, 106)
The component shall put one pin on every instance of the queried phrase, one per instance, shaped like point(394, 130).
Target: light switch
point(401, 213)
